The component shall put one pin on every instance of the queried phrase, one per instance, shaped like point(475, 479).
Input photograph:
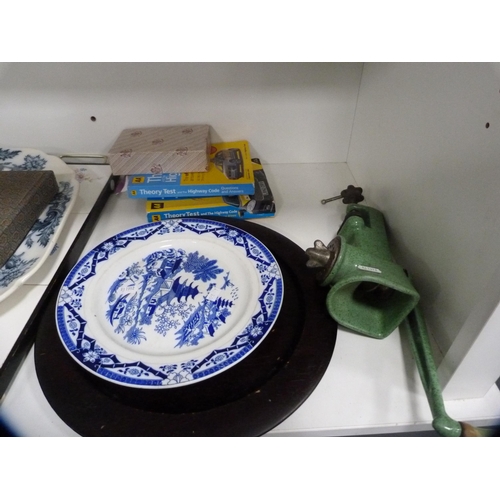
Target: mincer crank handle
point(421, 348)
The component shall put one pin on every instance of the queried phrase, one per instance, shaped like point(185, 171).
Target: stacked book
point(234, 185)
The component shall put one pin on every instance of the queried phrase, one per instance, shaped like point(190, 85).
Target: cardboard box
point(157, 150)
point(24, 196)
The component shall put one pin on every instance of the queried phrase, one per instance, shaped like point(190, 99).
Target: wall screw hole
point(93, 118)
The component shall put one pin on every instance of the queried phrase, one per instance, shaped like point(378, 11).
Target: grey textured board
point(23, 197)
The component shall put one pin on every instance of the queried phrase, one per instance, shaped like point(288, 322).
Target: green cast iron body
point(369, 293)
point(372, 295)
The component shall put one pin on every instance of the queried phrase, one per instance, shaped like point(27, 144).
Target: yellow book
point(229, 173)
point(259, 204)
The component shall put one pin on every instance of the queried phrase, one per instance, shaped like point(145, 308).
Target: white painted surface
point(26, 411)
point(421, 148)
point(15, 311)
point(472, 361)
point(290, 112)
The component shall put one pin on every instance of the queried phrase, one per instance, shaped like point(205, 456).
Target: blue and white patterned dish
point(41, 239)
point(169, 303)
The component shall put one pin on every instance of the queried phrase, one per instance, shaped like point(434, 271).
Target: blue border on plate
point(90, 355)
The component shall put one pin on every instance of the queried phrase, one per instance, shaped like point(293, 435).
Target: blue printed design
point(172, 293)
point(7, 154)
point(14, 268)
point(162, 291)
point(30, 162)
point(44, 227)
point(207, 318)
point(202, 268)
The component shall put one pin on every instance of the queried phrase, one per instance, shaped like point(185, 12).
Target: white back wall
point(290, 112)
point(423, 150)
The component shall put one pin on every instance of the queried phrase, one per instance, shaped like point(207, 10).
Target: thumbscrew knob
point(350, 195)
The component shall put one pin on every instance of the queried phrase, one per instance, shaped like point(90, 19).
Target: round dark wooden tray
point(249, 399)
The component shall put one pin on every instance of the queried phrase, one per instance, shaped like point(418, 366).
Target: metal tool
point(369, 293)
point(350, 195)
point(84, 158)
point(372, 295)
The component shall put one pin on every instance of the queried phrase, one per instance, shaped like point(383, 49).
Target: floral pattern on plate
point(169, 303)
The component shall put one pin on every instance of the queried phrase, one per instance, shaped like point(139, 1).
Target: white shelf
point(370, 387)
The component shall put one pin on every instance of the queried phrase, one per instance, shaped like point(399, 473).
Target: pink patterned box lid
point(156, 150)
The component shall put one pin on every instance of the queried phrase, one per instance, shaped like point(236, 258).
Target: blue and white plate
point(40, 241)
point(169, 303)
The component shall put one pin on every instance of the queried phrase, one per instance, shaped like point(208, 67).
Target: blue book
point(260, 204)
point(230, 173)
